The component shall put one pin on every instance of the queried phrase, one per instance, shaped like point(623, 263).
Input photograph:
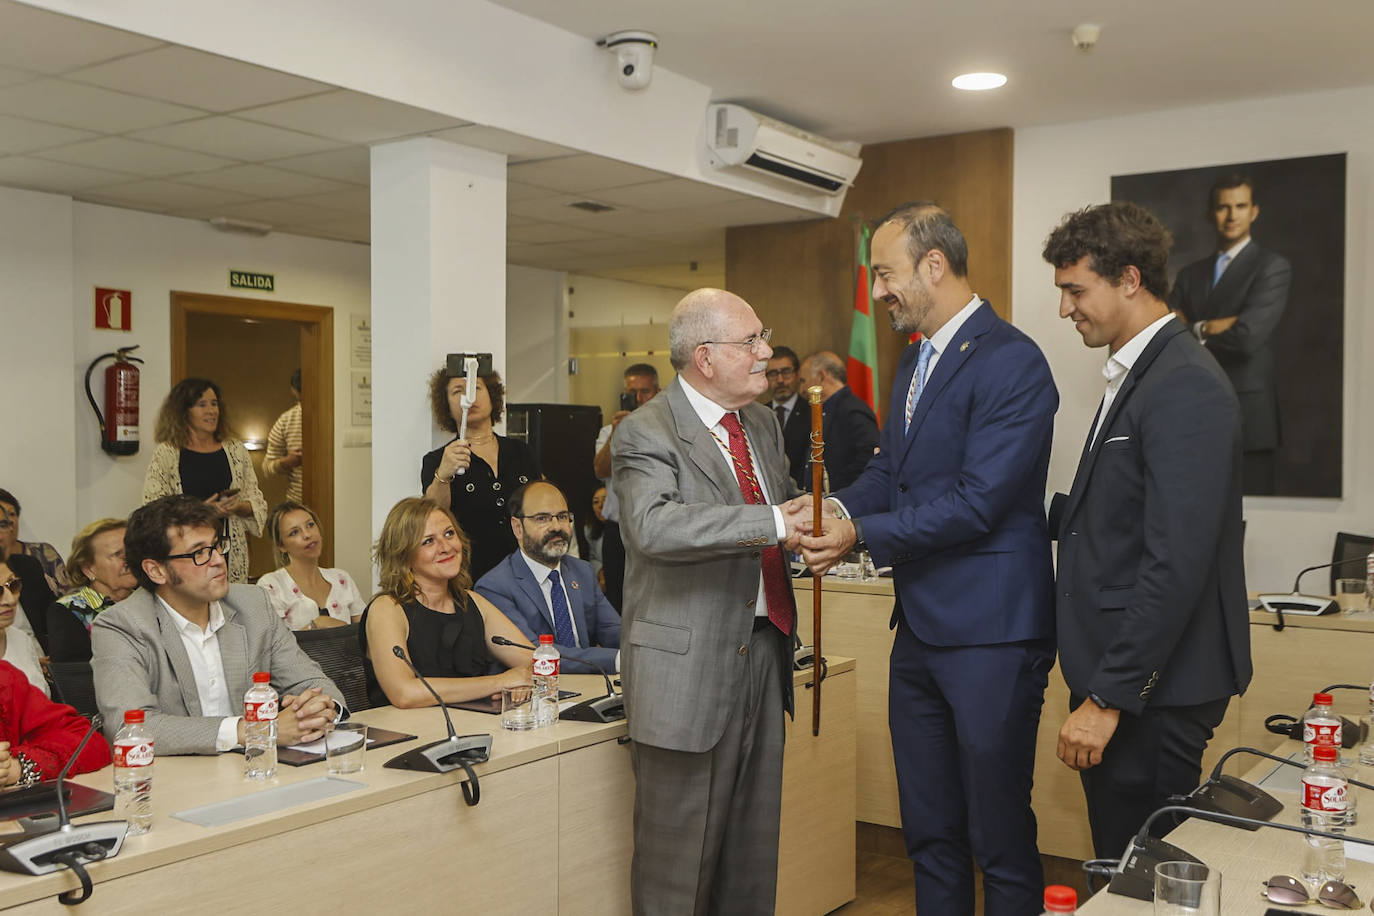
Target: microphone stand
point(610, 708)
point(1304, 605)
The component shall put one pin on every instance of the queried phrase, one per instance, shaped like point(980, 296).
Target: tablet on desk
point(492, 705)
point(298, 755)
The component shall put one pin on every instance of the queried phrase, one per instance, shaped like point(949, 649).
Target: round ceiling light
point(977, 82)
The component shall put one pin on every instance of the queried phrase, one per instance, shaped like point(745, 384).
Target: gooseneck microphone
point(451, 753)
point(610, 708)
point(1304, 605)
point(40, 851)
point(1234, 796)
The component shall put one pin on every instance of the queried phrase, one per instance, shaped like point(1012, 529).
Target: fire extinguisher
point(119, 423)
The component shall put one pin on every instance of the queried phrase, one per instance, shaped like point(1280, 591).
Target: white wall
point(1067, 166)
point(536, 336)
point(597, 302)
point(52, 254)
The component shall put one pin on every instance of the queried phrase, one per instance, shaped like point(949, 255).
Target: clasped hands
point(302, 719)
point(821, 550)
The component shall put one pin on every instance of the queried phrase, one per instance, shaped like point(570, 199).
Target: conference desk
point(1308, 654)
point(553, 831)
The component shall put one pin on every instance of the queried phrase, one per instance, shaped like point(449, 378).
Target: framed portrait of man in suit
point(1257, 272)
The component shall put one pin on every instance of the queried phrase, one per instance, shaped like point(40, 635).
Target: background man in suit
point(954, 503)
point(184, 647)
point(1233, 301)
point(1154, 633)
point(641, 384)
point(785, 376)
point(848, 425)
point(709, 617)
point(543, 590)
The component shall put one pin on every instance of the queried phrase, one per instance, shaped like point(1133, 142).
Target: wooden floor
point(883, 880)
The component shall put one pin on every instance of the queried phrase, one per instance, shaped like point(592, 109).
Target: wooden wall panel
point(800, 276)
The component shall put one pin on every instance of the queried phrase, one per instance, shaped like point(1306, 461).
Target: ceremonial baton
point(813, 394)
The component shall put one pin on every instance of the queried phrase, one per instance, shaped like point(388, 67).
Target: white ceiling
point(873, 70)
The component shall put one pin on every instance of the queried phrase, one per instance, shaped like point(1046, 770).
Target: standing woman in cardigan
point(197, 455)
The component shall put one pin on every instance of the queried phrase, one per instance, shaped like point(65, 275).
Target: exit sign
point(242, 279)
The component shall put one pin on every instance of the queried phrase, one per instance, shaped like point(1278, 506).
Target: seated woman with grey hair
point(101, 579)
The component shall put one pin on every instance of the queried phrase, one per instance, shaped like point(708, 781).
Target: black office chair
point(338, 652)
point(1350, 547)
point(74, 685)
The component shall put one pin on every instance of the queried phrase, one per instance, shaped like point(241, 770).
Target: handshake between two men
point(821, 550)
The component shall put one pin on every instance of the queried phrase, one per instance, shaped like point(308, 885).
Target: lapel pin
point(963, 346)
point(574, 584)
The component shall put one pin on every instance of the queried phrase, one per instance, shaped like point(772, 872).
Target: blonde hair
point(83, 551)
point(401, 535)
point(274, 522)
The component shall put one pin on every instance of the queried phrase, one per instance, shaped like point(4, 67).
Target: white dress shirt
point(941, 338)
point(202, 648)
point(711, 414)
point(787, 406)
point(1120, 363)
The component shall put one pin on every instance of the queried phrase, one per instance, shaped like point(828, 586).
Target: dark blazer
point(957, 506)
point(850, 430)
point(512, 587)
point(34, 594)
point(1254, 288)
point(68, 638)
point(796, 441)
point(1151, 591)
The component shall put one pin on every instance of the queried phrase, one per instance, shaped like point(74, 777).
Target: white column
point(438, 287)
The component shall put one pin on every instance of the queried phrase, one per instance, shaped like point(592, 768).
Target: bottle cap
point(1325, 753)
point(262, 677)
point(1321, 699)
point(1060, 899)
point(132, 716)
point(546, 639)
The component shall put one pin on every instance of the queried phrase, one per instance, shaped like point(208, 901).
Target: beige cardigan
point(164, 478)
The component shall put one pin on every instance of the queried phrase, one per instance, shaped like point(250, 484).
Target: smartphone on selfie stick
point(468, 366)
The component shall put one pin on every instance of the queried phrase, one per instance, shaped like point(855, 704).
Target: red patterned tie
point(782, 611)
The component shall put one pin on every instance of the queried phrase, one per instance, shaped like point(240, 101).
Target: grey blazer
point(140, 662)
point(692, 549)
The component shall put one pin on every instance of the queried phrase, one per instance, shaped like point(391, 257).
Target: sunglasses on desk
point(1336, 894)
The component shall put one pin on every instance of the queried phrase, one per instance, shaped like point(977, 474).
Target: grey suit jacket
point(140, 662)
point(692, 548)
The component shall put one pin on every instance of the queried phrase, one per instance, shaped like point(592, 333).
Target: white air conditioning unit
point(738, 137)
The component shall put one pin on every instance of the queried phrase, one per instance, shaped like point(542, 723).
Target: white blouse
point(298, 610)
point(22, 651)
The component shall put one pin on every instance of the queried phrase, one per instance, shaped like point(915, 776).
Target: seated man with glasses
point(184, 647)
point(543, 590)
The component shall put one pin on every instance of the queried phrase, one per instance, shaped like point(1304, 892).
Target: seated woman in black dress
point(426, 606)
point(492, 467)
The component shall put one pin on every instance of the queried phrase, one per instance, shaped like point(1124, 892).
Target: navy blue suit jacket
point(957, 506)
point(512, 587)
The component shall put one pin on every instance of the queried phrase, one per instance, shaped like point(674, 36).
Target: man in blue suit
point(543, 590)
point(954, 503)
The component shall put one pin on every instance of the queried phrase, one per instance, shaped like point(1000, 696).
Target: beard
point(549, 549)
point(912, 308)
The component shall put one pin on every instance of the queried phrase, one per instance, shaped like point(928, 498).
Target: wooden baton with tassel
point(813, 394)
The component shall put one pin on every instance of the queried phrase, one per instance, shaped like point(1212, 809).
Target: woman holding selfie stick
point(197, 455)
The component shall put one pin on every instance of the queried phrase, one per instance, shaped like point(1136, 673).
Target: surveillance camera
point(1085, 36)
point(634, 57)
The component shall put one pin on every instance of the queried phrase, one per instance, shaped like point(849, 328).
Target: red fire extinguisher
point(119, 423)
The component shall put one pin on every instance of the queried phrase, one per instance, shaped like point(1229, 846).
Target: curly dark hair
point(146, 537)
point(438, 398)
point(1114, 236)
point(172, 416)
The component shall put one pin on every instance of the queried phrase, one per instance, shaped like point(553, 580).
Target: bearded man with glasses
point(543, 590)
point(794, 414)
point(184, 647)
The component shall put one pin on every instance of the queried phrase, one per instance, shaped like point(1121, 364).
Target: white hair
point(696, 319)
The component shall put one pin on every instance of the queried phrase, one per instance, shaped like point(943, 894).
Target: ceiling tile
point(202, 80)
point(672, 276)
point(352, 200)
point(614, 244)
point(59, 177)
point(351, 116)
point(166, 196)
point(579, 174)
point(89, 107)
point(540, 233)
point(329, 233)
point(263, 181)
point(352, 164)
point(552, 209)
point(517, 192)
point(349, 224)
point(670, 194)
point(236, 139)
point(19, 135)
point(12, 77)
point(45, 42)
point(517, 148)
point(282, 213)
point(136, 157)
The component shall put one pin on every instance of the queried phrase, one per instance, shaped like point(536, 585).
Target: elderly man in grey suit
point(184, 647)
point(708, 617)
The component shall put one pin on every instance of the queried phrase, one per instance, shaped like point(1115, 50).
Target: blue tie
point(1222, 260)
point(562, 616)
point(918, 381)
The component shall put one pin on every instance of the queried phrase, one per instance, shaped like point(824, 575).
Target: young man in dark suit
point(1153, 625)
point(794, 413)
point(1233, 300)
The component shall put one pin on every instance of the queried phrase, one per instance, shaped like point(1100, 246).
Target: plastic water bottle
point(260, 728)
point(1060, 899)
point(133, 773)
point(1321, 727)
point(1323, 808)
point(1367, 749)
point(1369, 581)
point(547, 661)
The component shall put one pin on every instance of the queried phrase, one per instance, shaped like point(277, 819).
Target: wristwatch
point(859, 541)
point(1099, 702)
